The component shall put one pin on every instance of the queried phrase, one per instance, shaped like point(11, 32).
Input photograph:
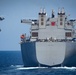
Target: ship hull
point(48, 54)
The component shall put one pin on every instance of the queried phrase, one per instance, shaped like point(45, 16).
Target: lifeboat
point(22, 36)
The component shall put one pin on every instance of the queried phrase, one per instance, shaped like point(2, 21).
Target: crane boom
point(29, 21)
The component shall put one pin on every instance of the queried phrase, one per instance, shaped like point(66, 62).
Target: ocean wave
point(28, 68)
point(16, 66)
point(69, 68)
point(20, 67)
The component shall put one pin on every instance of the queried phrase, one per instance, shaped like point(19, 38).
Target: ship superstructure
point(51, 42)
point(51, 28)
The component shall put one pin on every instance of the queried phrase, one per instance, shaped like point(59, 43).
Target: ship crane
point(1, 18)
point(29, 21)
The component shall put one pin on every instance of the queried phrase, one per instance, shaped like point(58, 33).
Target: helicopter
point(1, 18)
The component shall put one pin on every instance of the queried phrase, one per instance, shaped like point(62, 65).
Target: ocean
point(11, 64)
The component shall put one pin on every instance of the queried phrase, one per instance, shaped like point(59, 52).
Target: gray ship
point(51, 42)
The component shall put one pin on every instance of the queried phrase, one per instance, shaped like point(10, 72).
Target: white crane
point(29, 21)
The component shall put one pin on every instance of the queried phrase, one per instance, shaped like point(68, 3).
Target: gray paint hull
point(32, 57)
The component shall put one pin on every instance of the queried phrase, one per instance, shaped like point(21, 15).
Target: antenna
point(63, 10)
point(44, 10)
point(53, 13)
point(41, 10)
point(59, 10)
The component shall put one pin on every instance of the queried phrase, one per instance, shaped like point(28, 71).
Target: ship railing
point(47, 40)
point(25, 39)
point(56, 40)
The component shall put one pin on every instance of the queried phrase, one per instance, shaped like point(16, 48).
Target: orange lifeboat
point(22, 36)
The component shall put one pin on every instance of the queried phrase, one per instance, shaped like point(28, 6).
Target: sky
point(15, 10)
